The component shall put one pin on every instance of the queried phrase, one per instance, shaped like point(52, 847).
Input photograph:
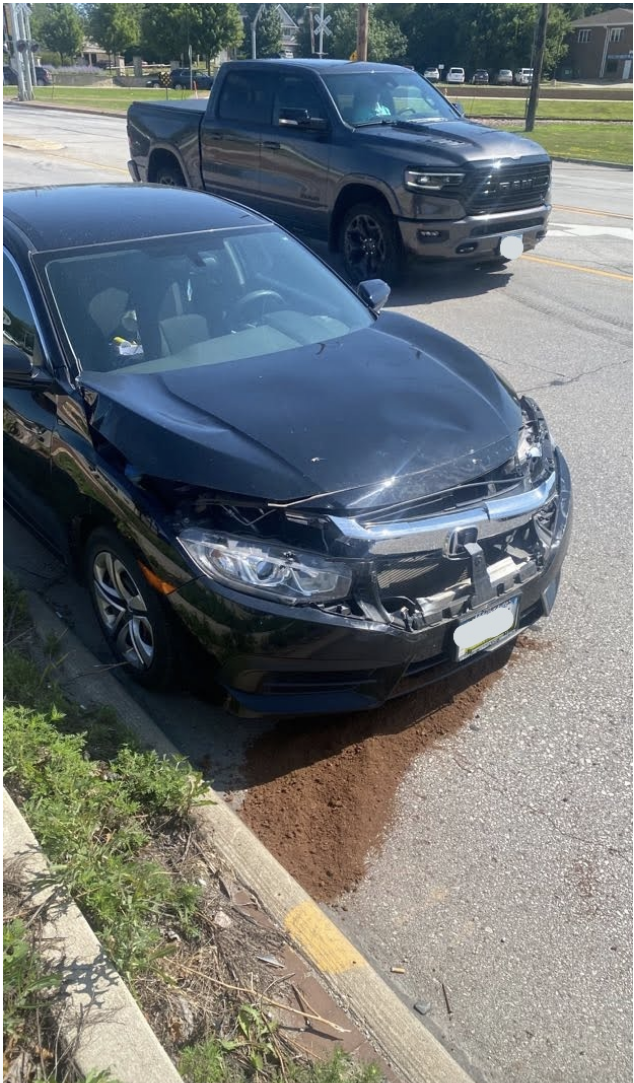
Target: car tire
point(170, 175)
point(370, 244)
point(130, 614)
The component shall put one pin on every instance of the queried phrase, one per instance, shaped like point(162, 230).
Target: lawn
point(597, 142)
point(112, 99)
point(549, 109)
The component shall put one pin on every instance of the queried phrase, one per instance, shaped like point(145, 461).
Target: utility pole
point(362, 31)
point(311, 25)
point(321, 31)
point(538, 64)
point(254, 26)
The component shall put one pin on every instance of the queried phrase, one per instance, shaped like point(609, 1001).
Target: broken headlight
point(270, 571)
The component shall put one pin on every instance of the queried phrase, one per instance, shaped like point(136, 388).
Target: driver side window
point(18, 321)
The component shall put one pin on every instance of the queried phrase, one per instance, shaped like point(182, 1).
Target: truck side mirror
point(301, 118)
point(459, 107)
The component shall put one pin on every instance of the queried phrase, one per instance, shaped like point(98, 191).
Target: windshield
point(377, 97)
point(171, 303)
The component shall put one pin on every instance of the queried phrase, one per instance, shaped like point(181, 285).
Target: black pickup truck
point(369, 157)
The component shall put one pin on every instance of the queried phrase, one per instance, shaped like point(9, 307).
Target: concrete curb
point(98, 1018)
point(415, 1055)
point(592, 161)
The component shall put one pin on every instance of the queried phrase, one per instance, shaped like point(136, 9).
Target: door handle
point(271, 145)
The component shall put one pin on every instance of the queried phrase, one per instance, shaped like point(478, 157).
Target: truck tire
point(370, 243)
point(170, 175)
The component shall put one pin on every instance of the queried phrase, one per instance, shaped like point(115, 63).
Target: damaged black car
point(328, 504)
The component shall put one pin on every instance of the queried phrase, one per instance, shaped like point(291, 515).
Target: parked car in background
point(176, 424)
point(524, 77)
point(504, 77)
point(480, 76)
point(432, 75)
point(10, 77)
point(455, 75)
point(179, 79)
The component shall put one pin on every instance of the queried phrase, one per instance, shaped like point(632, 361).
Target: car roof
point(72, 216)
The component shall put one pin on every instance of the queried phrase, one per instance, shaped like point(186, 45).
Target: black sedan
point(480, 77)
point(325, 504)
point(182, 79)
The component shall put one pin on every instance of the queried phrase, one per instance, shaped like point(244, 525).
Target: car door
point(230, 140)
point(29, 416)
point(295, 158)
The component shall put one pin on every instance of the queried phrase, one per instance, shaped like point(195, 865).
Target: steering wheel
point(256, 300)
point(408, 109)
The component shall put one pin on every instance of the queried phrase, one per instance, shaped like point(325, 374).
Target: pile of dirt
point(321, 793)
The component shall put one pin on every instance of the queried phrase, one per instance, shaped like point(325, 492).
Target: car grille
point(511, 187)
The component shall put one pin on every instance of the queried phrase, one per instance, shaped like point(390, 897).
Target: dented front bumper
point(272, 659)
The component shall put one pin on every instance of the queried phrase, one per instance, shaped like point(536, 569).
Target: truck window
point(297, 92)
point(246, 96)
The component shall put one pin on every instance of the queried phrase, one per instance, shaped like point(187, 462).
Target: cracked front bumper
point(273, 660)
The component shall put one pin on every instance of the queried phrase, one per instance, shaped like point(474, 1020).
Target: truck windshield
point(376, 97)
point(168, 303)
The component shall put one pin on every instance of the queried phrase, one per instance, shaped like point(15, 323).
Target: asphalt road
point(503, 884)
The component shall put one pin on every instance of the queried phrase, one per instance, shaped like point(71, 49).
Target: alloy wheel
point(365, 248)
point(123, 611)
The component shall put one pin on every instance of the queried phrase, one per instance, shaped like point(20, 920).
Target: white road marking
point(567, 229)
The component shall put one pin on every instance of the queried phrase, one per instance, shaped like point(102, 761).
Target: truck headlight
point(419, 180)
point(270, 571)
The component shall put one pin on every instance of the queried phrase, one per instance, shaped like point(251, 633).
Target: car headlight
point(419, 180)
point(270, 571)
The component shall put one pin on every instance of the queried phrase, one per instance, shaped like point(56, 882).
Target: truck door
point(295, 156)
point(230, 141)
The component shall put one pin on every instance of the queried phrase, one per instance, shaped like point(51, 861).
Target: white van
point(524, 77)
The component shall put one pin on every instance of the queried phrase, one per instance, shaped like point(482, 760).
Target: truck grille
point(511, 187)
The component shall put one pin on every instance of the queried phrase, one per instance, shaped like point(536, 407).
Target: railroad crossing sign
point(321, 24)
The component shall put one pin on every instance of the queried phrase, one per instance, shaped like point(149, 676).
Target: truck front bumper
point(474, 236)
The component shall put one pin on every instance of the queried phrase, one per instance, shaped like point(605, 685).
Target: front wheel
point(370, 243)
point(130, 614)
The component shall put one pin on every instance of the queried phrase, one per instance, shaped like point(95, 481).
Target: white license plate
point(481, 631)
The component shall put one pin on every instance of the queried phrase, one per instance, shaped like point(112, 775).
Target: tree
point(116, 27)
point(386, 40)
point(214, 27)
point(59, 27)
point(165, 32)
point(268, 30)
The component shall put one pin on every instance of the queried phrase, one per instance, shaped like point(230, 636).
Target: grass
point(112, 99)
point(94, 802)
point(99, 807)
point(597, 142)
point(549, 109)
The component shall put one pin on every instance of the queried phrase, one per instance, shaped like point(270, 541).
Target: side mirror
point(374, 293)
point(19, 371)
point(301, 118)
point(459, 107)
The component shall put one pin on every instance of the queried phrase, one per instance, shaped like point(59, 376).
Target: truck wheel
point(370, 243)
point(130, 613)
point(170, 175)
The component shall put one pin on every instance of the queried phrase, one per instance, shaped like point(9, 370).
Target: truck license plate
point(482, 631)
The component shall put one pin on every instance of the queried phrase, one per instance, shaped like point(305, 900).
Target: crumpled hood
point(452, 143)
point(394, 412)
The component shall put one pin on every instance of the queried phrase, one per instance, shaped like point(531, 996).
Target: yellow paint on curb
point(24, 143)
point(322, 942)
point(578, 267)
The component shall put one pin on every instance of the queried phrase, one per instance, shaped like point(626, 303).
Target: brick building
point(600, 46)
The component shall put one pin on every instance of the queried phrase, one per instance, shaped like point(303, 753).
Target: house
point(289, 33)
point(600, 46)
